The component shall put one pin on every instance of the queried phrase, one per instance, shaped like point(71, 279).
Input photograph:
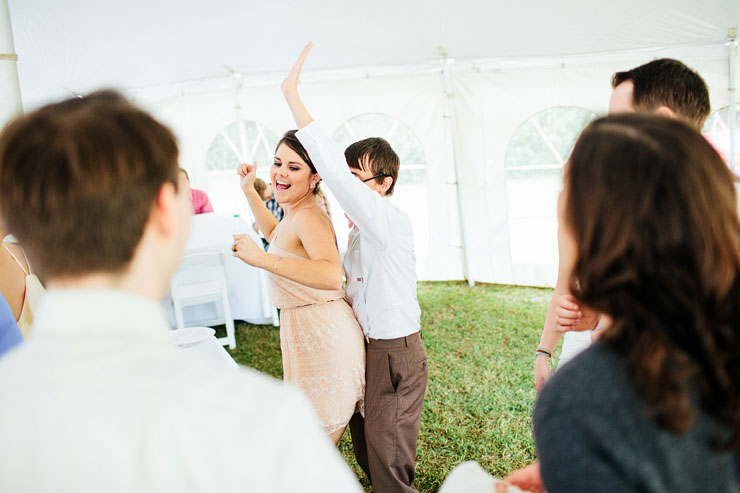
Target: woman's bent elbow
point(334, 282)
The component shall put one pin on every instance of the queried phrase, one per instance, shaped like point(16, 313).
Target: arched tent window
point(717, 131)
point(534, 161)
point(410, 193)
point(399, 135)
point(238, 142)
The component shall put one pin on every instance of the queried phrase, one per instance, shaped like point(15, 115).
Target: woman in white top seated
point(18, 284)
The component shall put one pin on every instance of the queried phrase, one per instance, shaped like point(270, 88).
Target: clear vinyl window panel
point(399, 135)
point(534, 162)
point(239, 142)
point(717, 132)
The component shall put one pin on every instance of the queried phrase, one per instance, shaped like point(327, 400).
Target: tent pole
point(732, 42)
point(238, 117)
point(10, 90)
point(458, 169)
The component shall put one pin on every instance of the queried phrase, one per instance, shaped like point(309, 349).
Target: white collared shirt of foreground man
point(100, 399)
point(380, 265)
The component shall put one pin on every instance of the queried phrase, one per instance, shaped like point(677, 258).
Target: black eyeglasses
point(374, 177)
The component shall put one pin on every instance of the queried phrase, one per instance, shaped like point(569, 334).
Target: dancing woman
point(321, 342)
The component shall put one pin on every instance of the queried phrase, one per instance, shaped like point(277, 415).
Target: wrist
point(542, 353)
point(263, 260)
point(291, 95)
point(250, 193)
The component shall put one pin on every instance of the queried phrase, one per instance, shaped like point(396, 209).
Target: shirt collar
point(100, 311)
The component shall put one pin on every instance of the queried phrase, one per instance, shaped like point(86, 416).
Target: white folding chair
point(201, 279)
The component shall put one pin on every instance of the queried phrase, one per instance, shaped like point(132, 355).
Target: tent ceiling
point(78, 45)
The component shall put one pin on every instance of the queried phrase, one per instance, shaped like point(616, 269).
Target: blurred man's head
point(666, 87)
point(87, 185)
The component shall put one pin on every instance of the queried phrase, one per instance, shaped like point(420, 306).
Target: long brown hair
point(653, 211)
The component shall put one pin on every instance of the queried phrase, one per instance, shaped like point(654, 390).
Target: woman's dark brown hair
point(290, 140)
point(653, 212)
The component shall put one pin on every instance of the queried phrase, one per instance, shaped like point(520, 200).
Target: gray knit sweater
point(592, 435)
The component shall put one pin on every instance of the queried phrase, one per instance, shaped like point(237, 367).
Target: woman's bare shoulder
point(17, 251)
point(312, 218)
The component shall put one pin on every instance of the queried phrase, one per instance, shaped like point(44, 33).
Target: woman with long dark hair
point(654, 404)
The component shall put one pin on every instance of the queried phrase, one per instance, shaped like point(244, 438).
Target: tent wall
point(417, 100)
point(492, 99)
point(493, 103)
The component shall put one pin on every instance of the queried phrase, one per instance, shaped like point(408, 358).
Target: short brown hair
point(653, 211)
point(78, 180)
point(260, 186)
point(668, 82)
point(290, 140)
point(380, 155)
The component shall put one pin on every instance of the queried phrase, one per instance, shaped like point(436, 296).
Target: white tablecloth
point(201, 340)
point(248, 295)
point(212, 349)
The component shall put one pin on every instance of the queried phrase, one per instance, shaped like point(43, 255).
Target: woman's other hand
point(247, 250)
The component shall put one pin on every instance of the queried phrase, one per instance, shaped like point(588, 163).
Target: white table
point(248, 293)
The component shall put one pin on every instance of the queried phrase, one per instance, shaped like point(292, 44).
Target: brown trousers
point(385, 440)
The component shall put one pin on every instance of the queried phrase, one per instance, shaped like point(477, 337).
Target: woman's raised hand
point(290, 84)
point(248, 173)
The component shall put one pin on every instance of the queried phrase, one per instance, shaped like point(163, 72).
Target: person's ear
point(164, 216)
point(387, 183)
point(315, 179)
point(665, 111)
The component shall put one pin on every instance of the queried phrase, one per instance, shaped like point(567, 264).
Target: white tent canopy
point(524, 75)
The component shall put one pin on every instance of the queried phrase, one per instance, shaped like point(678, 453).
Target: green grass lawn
point(480, 342)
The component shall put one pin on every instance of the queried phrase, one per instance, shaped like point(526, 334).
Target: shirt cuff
point(310, 133)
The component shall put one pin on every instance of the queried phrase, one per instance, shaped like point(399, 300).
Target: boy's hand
point(290, 84)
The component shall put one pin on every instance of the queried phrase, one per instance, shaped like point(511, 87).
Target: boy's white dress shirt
point(379, 265)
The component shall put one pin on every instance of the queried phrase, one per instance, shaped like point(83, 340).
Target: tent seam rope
point(9, 56)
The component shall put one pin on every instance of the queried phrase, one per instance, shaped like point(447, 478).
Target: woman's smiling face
point(291, 176)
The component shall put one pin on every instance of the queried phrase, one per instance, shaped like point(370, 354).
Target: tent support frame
point(452, 116)
point(10, 89)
